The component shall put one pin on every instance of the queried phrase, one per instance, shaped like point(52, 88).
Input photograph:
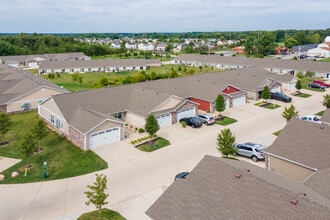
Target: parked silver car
point(206, 119)
point(254, 151)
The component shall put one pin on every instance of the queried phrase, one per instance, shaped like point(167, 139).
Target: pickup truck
point(311, 118)
point(321, 83)
point(280, 96)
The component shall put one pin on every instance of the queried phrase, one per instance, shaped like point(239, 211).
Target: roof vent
point(322, 126)
point(302, 194)
point(254, 75)
point(247, 170)
point(213, 83)
point(237, 175)
point(294, 201)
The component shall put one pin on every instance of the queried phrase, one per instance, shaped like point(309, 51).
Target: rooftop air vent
point(237, 175)
point(302, 194)
point(294, 201)
point(247, 170)
point(322, 126)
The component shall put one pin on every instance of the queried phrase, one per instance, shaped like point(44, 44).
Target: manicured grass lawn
point(63, 158)
point(226, 121)
point(307, 80)
point(90, 79)
point(271, 106)
point(107, 214)
point(277, 132)
point(304, 95)
point(320, 113)
point(324, 60)
point(34, 71)
point(259, 103)
point(161, 142)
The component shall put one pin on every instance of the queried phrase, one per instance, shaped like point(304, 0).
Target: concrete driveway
point(136, 179)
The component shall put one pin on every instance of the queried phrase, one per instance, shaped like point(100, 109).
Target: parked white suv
point(311, 118)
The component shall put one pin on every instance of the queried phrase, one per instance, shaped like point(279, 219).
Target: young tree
point(40, 130)
point(97, 195)
point(152, 125)
point(220, 104)
point(5, 123)
point(174, 74)
point(75, 78)
point(153, 75)
point(104, 81)
point(29, 144)
point(298, 85)
point(289, 113)
point(326, 100)
point(266, 93)
point(226, 141)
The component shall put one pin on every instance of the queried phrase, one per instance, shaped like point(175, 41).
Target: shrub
point(58, 75)
point(131, 126)
point(184, 124)
point(141, 130)
point(221, 54)
point(136, 129)
point(295, 58)
point(207, 111)
point(149, 136)
point(139, 140)
point(132, 142)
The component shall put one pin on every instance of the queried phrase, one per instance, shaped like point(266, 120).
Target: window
point(52, 119)
point(176, 61)
point(100, 69)
point(133, 67)
point(315, 73)
point(71, 70)
point(248, 148)
point(53, 70)
point(58, 123)
point(229, 66)
point(89, 69)
point(107, 131)
point(108, 69)
point(118, 115)
point(82, 70)
point(271, 69)
point(124, 67)
point(101, 132)
point(281, 70)
point(141, 67)
point(63, 70)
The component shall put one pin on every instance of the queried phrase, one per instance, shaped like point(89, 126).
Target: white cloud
point(151, 15)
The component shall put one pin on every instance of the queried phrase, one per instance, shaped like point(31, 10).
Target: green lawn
point(277, 132)
point(63, 158)
point(90, 79)
point(272, 106)
point(226, 121)
point(320, 113)
point(161, 142)
point(307, 80)
point(34, 71)
point(324, 60)
point(107, 214)
point(304, 95)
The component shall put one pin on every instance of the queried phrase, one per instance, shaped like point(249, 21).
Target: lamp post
point(44, 174)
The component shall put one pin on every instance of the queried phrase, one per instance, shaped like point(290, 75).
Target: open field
point(90, 79)
point(63, 158)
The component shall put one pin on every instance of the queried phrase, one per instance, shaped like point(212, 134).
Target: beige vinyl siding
point(104, 126)
point(49, 108)
point(289, 169)
point(32, 98)
point(170, 103)
point(135, 120)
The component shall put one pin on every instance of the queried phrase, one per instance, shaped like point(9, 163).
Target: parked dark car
point(321, 83)
point(315, 85)
point(181, 175)
point(191, 121)
point(281, 96)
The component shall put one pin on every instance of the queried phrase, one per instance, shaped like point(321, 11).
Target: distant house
point(161, 47)
point(322, 50)
point(146, 47)
point(115, 45)
point(239, 49)
point(282, 51)
point(221, 42)
point(303, 49)
point(22, 91)
point(230, 42)
point(130, 46)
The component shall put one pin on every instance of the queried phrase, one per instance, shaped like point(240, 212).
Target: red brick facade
point(3, 108)
point(184, 106)
point(76, 137)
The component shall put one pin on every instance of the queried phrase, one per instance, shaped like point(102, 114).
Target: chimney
point(237, 175)
point(294, 201)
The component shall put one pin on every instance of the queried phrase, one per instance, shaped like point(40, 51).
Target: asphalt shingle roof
point(211, 191)
point(326, 116)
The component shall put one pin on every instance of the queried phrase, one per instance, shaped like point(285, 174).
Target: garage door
point(32, 64)
point(189, 112)
point(227, 103)
point(239, 100)
point(164, 120)
point(276, 89)
point(292, 86)
point(104, 137)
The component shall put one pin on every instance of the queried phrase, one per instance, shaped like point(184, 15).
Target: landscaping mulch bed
point(149, 142)
point(220, 119)
point(4, 143)
point(266, 104)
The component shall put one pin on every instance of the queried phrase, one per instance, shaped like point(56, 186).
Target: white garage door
point(189, 112)
point(32, 64)
point(104, 137)
point(164, 120)
point(239, 100)
point(292, 86)
point(276, 89)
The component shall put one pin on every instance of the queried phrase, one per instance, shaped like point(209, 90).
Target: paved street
point(136, 179)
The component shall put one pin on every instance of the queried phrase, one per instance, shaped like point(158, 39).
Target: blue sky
point(132, 16)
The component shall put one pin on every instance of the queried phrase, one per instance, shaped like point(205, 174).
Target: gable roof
point(15, 82)
point(302, 65)
point(326, 116)
point(211, 191)
point(304, 142)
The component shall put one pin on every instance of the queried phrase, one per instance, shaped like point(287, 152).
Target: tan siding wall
point(32, 98)
point(288, 169)
point(169, 104)
point(104, 126)
point(135, 120)
point(49, 108)
point(252, 95)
